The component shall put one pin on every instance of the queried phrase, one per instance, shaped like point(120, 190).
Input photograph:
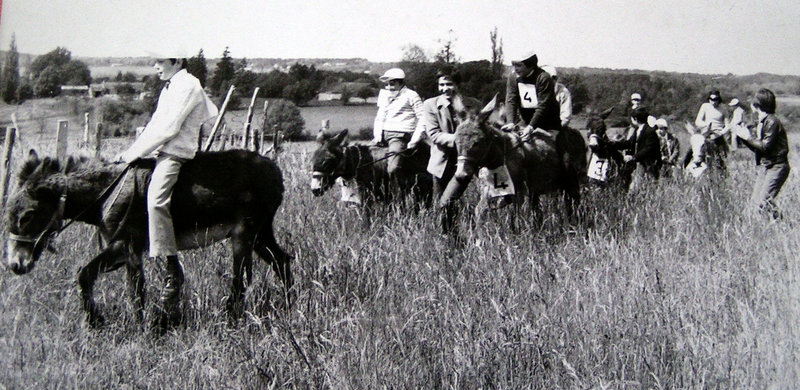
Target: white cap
point(734, 102)
point(524, 56)
point(651, 121)
point(393, 74)
point(661, 122)
point(550, 69)
point(636, 96)
point(167, 52)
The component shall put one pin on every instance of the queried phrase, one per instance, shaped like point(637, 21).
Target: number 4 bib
point(527, 95)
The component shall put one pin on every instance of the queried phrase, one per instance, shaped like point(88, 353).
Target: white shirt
point(565, 102)
point(175, 126)
point(402, 112)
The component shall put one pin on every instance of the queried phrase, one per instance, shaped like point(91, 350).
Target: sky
point(713, 37)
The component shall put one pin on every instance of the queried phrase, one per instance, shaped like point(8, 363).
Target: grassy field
point(675, 287)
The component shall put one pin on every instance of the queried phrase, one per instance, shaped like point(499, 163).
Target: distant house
point(118, 88)
point(336, 92)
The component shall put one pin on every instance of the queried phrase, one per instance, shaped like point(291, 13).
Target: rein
point(49, 231)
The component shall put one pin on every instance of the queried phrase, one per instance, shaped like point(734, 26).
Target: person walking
point(736, 120)
point(771, 148)
point(171, 134)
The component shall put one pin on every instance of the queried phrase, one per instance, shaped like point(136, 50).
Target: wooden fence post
point(219, 119)
point(98, 139)
point(246, 142)
point(61, 140)
point(8, 147)
point(86, 129)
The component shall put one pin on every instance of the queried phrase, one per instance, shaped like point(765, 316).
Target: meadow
point(677, 286)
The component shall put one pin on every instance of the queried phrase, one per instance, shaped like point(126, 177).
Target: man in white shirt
point(172, 134)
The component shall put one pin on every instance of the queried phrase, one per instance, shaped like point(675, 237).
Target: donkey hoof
point(95, 321)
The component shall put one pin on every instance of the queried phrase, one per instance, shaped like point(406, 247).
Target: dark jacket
point(770, 144)
point(545, 114)
point(646, 149)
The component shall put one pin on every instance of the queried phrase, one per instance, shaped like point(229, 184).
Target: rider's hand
point(508, 127)
point(123, 157)
point(627, 158)
point(525, 133)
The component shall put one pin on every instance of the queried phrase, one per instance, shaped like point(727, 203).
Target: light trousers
point(159, 199)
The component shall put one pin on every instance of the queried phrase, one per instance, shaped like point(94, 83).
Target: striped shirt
point(402, 112)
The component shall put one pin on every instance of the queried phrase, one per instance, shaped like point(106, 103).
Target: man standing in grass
point(439, 125)
point(645, 157)
point(172, 134)
point(771, 147)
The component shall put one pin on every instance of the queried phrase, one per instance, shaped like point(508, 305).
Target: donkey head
point(34, 211)
point(474, 134)
point(327, 162)
point(597, 127)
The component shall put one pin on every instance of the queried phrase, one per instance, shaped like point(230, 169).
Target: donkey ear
point(32, 155)
point(488, 109)
point(339, 138)
point(321, 137)
point(491, 106)
point(29, 166)
point(606, 113)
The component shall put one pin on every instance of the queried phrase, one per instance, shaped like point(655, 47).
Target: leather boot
point(168, 312)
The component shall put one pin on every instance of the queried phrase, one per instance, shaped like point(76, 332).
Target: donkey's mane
point(49, 165)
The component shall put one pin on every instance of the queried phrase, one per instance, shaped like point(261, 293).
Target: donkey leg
point(268, 249)
point(111, 258)
point(135, 268)
point(242, 261)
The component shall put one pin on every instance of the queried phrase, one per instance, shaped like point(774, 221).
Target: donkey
point(231, 194)
point(545, 164)
point(606, 164)
point(356, 166)
point(707, 152)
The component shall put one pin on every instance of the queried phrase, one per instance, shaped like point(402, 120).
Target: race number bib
point(598, 168)
point(497, 181)
point(349, 191)
point(527, 95)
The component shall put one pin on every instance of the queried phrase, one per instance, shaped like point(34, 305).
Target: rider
point(563, 96)
point(711, 120)
point(439, 124)
point(399, 114)
point(530, 95)
point(670, 148)
point(172, 134)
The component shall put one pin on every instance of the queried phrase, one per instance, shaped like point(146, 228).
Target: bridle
point(54, 226)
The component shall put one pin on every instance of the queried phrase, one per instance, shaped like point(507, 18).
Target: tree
point(286, 116)
point(24, 92)
point(346, 95)
point(413, 53)
point(9, 81)
point(197, 67)
point(365, 92)
point(446, 53)
point(58, 57)
point(497, 52)
point(48, 83)
point(76, 73)
point(225, 71)
point(300, 92)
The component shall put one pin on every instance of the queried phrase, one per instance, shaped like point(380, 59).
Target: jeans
point(398, 142)
point(159, 198)
point(769, 181)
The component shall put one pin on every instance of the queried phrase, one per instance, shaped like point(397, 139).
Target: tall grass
point(678, 286)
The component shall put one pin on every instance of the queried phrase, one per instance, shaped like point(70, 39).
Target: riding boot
point(169, 313)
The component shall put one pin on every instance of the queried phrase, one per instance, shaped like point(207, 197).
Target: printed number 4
point(502, 185)
point(527, 97)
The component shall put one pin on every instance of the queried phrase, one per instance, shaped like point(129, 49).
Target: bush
point(120, 118)
point(286, 116)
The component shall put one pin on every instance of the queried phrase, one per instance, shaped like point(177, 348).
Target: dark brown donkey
point(231, 194)
point(334, 159)
point(547, 163)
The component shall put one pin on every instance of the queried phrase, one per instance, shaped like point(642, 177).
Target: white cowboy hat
point(734, 102)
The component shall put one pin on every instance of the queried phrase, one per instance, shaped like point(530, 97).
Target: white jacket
point(175, 126)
